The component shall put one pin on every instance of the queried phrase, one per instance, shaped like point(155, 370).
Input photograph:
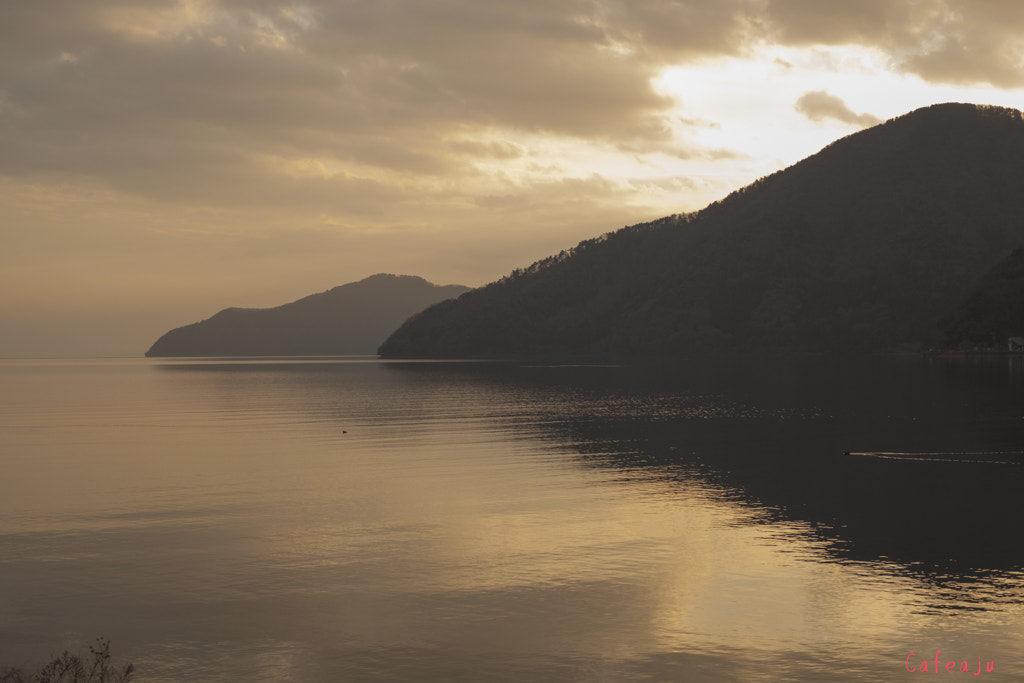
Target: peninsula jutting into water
point(350, 319)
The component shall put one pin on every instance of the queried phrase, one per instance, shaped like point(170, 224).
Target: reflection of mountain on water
point(768, 434)
point(771, 434)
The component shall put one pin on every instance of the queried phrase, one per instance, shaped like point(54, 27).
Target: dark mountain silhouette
point(860, 247)
point(350, 319)
point(990, 313)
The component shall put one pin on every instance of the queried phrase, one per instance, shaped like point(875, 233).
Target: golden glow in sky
point(161, 162)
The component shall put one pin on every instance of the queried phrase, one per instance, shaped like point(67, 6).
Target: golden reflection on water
point(363, 511)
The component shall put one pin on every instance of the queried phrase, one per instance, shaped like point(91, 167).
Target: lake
point(350, 519)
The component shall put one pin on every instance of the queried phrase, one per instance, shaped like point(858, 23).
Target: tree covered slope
point(862, 246)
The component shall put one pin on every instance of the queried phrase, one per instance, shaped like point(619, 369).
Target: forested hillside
point(990, 313)
point(861, 247)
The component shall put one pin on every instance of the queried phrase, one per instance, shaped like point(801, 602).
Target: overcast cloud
point(194, 94)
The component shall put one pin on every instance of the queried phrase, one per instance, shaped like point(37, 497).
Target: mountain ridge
point(859, 247)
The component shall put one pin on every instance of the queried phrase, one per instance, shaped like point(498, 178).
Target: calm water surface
point(351, 519)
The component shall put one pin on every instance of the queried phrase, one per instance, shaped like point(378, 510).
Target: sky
point(163, 159)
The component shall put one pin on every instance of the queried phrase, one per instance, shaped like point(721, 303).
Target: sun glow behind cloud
point(751, 100)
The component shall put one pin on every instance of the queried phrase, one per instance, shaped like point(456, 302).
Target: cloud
point(818, 105)
point(169, 99)
point(963, 42)
point(174, 100)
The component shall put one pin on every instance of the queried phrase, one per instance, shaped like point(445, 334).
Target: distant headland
point(350, 319)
